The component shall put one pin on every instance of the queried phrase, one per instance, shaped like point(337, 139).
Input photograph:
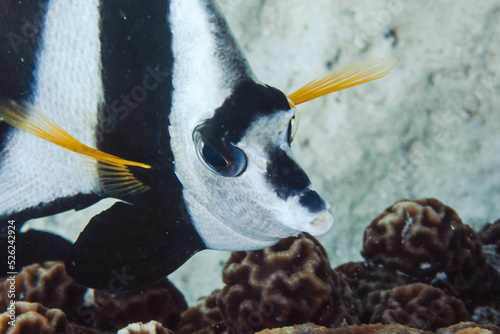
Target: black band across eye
point(220, 156)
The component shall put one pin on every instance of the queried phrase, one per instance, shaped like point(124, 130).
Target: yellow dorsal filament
point(115, 175)
point(34, 122)
point(344, 77)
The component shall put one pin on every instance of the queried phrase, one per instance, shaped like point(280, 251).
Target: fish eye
point(224, 159)
point(292, 128)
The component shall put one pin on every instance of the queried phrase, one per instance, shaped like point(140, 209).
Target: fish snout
point(320, 224)
point(316, 205)
point(313, 202)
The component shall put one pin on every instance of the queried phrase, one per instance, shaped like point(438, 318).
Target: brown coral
point(427, 241)
point(490, 234)
point(204, 317)
point(486, 295)
point(160, 301)
point(309, 328)
point(490, 237)
point(34, 318)
point(152, 327)
point(416, 305)
point(49, 285)
point(289, 283)
point(364, 278)
point(469, 328)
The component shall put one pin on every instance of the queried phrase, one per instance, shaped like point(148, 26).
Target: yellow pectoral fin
point(114, 171)
point(344, 77)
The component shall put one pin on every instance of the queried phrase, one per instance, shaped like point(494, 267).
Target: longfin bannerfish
point(155, 105)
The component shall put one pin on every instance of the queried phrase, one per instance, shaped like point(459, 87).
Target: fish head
point(231, 134)
point(245, 190)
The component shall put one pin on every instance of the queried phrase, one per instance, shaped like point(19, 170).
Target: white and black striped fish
point(152, 103)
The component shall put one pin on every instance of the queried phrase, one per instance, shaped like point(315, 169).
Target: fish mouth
point(321, 224)
point(314, 216)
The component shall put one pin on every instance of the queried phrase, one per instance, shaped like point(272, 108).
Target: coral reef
point(364, 278)
point(309, 328)
point(140, 328)
point(34, 318)
point(424, 272)
point(289, 283)
point(205, 317)
point(489, 310)
point(425, 240)
point(490, 234)
point(490, 238)
point(160, 301)
point(50, 286)
point(417, 305)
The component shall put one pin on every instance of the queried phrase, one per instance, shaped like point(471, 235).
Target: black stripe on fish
point(285, 175)
point(288, 179)
point(148, 240)
point(248, 102)
point(313, 201)
point(21, 23)
point(136, 73)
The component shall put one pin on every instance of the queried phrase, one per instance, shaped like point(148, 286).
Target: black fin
point(125, 247)
point(31, 247)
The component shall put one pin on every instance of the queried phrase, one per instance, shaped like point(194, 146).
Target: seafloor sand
point(430, 129)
